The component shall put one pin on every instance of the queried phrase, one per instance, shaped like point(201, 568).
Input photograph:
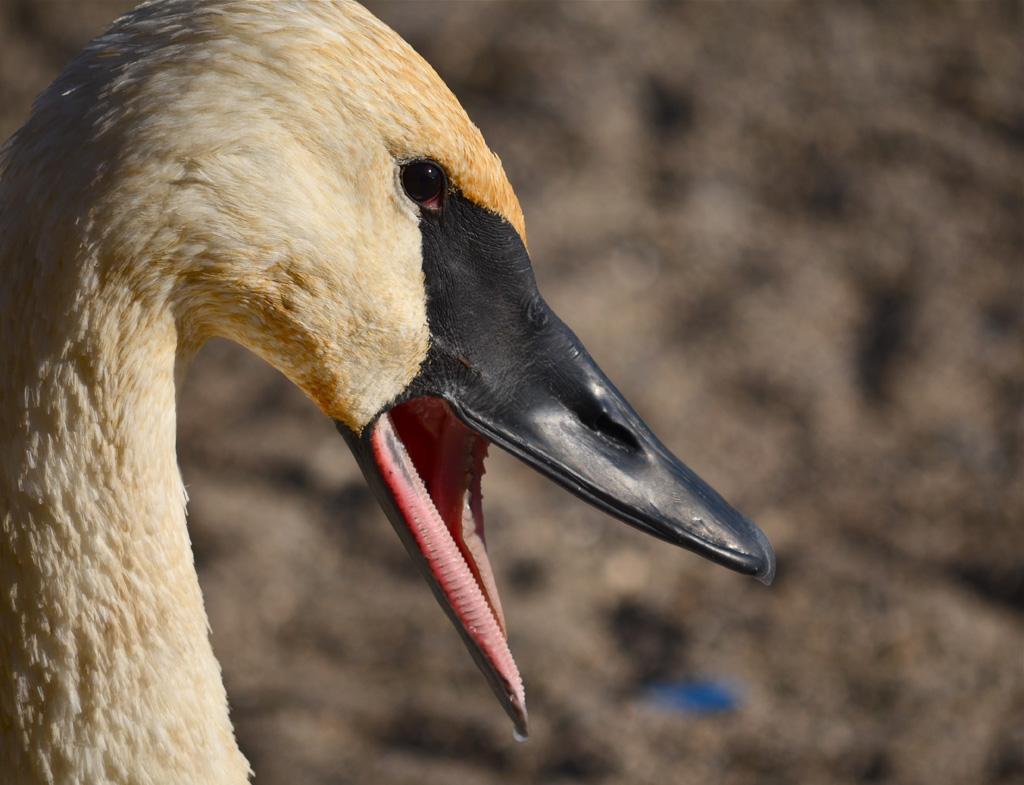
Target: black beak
point(563, 417)
point(514, 372)
point(503, 368)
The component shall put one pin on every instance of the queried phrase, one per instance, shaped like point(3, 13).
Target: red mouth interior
point(433, 465)
point(449, 458)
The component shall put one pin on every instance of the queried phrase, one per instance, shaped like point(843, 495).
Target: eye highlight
point(426, 184)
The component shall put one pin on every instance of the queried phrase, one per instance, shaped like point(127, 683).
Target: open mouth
point(424, 460)
point(432, 466)
point(503, 369)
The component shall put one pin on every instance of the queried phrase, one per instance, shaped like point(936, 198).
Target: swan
point(293, 177)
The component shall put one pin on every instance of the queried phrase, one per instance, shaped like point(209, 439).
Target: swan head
point(296, 178)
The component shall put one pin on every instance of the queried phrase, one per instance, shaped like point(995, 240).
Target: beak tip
point(765, 570)
point(729, 538)
point(756, 556)
point(521, 723)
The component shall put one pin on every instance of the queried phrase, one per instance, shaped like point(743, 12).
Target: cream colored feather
point(227, 167)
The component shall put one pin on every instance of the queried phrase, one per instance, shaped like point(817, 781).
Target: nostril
point(616, 431)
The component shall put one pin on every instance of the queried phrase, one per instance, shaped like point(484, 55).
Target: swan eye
point(426, 183)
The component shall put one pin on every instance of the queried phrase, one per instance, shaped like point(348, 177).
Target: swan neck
point(108, 672)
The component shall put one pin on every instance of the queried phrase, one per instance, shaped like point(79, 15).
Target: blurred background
point(794, 237)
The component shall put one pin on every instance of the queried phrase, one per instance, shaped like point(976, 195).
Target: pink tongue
point(422, 437)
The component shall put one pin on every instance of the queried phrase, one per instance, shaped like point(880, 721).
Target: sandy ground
point(794, 236)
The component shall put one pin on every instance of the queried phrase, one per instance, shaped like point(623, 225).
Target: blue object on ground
point(693, 697)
